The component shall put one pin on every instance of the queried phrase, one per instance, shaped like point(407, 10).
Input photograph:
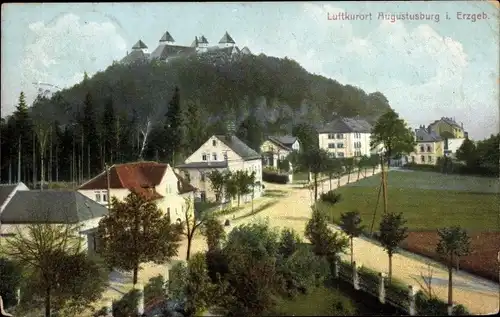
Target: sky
point(427, 68)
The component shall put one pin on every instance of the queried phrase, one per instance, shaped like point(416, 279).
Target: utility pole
point(108, 185)
point(384, 182)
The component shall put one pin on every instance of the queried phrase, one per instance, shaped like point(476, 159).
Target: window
point(331, 136)
point(413, 159)
point(214, 156)
point(203, 196)
point(225, 156)
point(357, 145)
point(340, 154)
point(429, 148)
point(104, 197)
point(422, 158)
point(357, 135)
point(98, 197)
point(357, 153)
point(202, 177)
point(340, 145)
point(422, 148)
point(340, 136)
point(214, 142)
point(331, 145)
point(204, 157)
point(429, 158)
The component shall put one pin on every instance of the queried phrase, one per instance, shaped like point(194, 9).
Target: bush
point(10, 277)
point(423, 167)
point(369, 279)
point(127, 305)
point(430, 306)
point(330, 197)
point(460, 310)
point(274, 177)
point(397, 292)
point(154, 289)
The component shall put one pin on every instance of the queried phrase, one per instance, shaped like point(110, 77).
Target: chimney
point(462, 125)
point(127, 53)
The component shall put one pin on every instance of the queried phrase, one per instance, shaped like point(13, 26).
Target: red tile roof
point(141, 177)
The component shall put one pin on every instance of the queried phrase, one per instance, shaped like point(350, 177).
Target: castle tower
point(140, 46)
point(203, 41)
point(195, 43)
point(226, 41)
point(167, 39)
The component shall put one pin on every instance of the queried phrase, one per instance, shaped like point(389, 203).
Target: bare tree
point(190, 224)
point(145, 129)
point(42, 130)
point(426, 283)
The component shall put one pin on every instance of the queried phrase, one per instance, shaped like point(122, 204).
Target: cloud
point(61, 51)
point(424, 74)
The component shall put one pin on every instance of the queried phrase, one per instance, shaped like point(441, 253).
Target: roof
point(239, 147)
point(195, 42)
point(5, 191)
point(135, 56)
point(285, 141)
point(447, 120)
point(50, 206)
point(346, 125)
point(204, 165)
point(141, 177)
point(139, 45)
point(246, 50)
point(422, 135)
point(167, 37)
point(226, 39)
point(204, 40)
point(163, 51)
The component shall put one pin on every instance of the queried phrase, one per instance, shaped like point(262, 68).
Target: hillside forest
point(165, 110)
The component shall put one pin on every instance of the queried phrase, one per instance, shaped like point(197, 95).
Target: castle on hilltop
point(167, 49)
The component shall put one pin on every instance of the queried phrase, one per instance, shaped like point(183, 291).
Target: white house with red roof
point(157, 181)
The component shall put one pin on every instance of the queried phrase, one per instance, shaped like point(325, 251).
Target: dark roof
point(203, 165)
point(246, 50)
point(204, 40)
point(5, 191)
point(284, 141)
point(195, 42)
point(167, 37)
point(226, 39)
point(163, 51)
point(140, 44)
point(50, 206)
point(423, 135)
point(239, 147)
point(346, 125)
point(447, 120)
point(135, 56)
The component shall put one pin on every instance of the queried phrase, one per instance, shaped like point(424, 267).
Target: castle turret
point(203, 41)
point(195, 43)
point(167, 39)
point(226, 41)
point(140, 46)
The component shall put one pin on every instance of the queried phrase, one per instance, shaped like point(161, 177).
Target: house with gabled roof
point(275, 148)
point(139, 53)
point(156, 181)
point(346, 137)
point(57, 207)
point(7, 191)
point(430, 147)
point(448, 126)
point(223, 153)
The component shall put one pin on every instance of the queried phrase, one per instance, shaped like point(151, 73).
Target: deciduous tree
point(214, 232)
point(137, 231)
point(314, 160)
point(454, 242)
point(190, 224)
point(217, 182)
point(392, 232)
point(350, 222)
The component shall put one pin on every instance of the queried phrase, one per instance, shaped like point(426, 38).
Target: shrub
point(460, 310)
point(430, 306)
point(330, 197)
point(397, 292)
point(10, 277)
point(127, 305)
point(274, 177)
point(369, 279)
point(154, 289)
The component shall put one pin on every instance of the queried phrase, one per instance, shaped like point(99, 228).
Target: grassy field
point(427, 200)
point(319, 302)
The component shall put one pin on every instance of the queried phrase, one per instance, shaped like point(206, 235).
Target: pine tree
point(91, 138)
point(109, 131)
point(23, 133)
point(195, 129)
point(174, 125)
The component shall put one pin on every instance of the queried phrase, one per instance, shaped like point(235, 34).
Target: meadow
point(427, 200)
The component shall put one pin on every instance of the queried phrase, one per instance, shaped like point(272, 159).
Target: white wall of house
point(345, 144)
point(101, 195)
point(427, 153)
point(279, 153)
point(214, 150)
point(19, 187)
point(197, 178)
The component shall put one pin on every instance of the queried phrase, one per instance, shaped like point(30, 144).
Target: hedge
point(274, 177)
